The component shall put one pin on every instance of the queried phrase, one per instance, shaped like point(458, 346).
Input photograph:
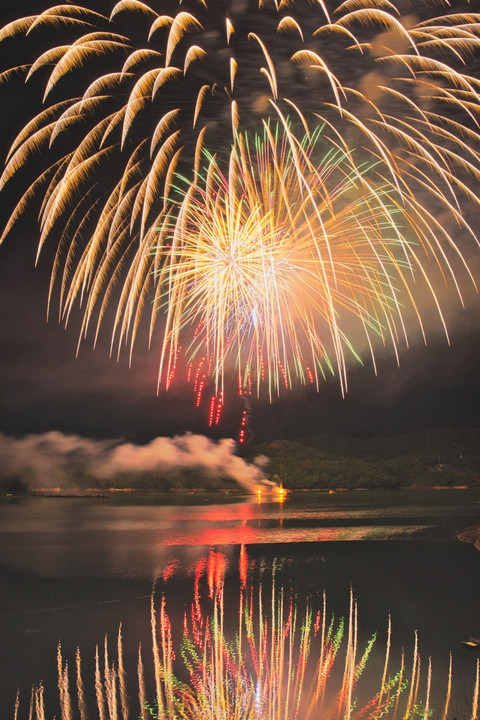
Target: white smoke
point(47, 460)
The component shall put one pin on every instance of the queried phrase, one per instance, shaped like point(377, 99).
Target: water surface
point(74, 568)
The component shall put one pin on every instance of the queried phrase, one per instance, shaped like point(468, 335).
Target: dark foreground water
point(73, 569)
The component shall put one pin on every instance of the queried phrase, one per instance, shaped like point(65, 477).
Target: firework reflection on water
point(286, 658)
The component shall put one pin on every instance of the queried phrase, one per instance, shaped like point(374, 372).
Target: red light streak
point(196, 610)
point(169, 570)
point(219, 408)
point(284, 376)
point(200, 390)
point(243, 423)
point(216, 567)
point(197, 374)
point(171, 374)
point(288, 624)
point(212, 411)
point(243, 566)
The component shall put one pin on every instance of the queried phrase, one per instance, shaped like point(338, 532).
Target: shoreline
point(470, 535)
point(95, 493)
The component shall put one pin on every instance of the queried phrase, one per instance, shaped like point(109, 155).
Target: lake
point(72, 569)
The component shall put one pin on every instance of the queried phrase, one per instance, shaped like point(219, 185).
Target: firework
point(183, 93)
point(270, 262)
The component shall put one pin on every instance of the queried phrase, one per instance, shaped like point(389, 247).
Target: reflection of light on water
point(69, 537)
point(249, 535)
point(257, 698)
point(216, 569)
point(243, 566)
point(276, 656)
point(169, 569)
point(271, 491)
point(138, 541)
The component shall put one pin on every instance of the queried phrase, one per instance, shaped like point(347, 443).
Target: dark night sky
point(43, 386)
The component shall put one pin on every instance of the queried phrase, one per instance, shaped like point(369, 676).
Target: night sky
point(44, 386)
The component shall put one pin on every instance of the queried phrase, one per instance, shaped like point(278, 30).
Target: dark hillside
point(443, 457)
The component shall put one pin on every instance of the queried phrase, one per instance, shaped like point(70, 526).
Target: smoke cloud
point(49, 459)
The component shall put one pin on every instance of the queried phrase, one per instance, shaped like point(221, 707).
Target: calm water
point(73, 569)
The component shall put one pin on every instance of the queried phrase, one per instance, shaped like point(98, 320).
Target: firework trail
point(142, 695)
point(122, 676)
point(99, 692)
point(191, 145)
point(39, 703)
point(82, 709)
point(63, 687)
point(17, 702)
